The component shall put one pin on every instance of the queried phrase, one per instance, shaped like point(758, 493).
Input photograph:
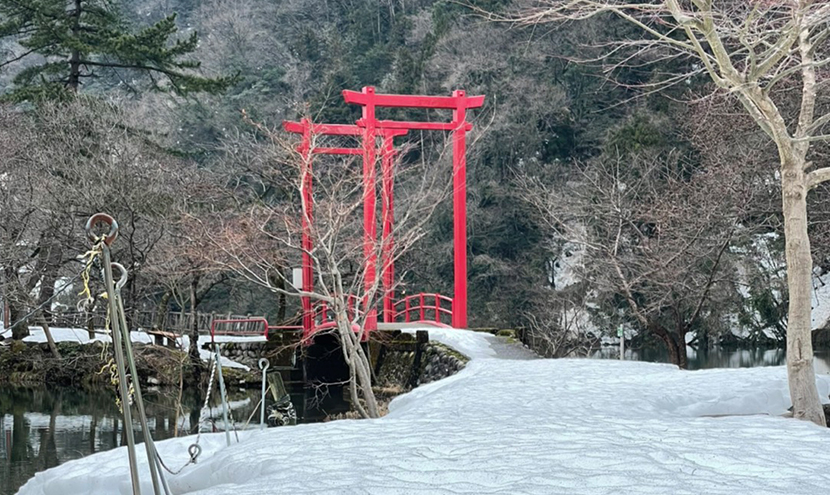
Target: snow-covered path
point(517, 426)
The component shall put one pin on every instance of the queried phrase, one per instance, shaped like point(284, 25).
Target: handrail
point(322, 309)
point(262, 321)
point(425, 295)
point(422, 306)
point(175, 321)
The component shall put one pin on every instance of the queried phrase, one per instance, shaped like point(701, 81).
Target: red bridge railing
point(434, 309)
point(324, 314)
point(428, 308)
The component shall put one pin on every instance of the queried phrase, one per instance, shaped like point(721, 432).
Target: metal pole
point(222, 394)
point(149, 445)
point(119, 363)
point(263, 365)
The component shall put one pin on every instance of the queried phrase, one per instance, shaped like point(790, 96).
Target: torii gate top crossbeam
point(412, 101)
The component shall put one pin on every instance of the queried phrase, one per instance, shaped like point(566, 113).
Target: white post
point(218, 358)
point(621, 335)
point(263, 365)
point(297, 278)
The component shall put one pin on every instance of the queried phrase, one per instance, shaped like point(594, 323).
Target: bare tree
point(654, 238)
point(30, 236)
point(65, 161)
point(181, 267)
point(263, 241)
point(759, 52)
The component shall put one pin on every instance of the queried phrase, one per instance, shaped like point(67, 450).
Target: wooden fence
point(172, 321)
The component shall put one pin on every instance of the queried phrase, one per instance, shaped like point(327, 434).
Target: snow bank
point(513, 426)
point(474, 345)
point(81, 336)
point(821, 301)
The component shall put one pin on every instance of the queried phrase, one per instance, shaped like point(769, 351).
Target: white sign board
point(297, 278)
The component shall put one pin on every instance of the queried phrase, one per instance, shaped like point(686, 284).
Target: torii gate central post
point(459, 102)
point(307, 149)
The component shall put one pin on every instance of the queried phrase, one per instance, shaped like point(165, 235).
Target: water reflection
point(717, 357)
point(41, 428)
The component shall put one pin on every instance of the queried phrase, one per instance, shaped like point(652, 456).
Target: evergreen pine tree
point(74, 40)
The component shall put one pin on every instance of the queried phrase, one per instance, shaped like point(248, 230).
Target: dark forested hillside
point(550, 127)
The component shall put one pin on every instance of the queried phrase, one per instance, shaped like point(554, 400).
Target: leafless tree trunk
point(50, 341)
point(194, 325)
point(161, 310)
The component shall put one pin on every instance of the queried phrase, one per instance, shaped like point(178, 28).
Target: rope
point(202, 416)
point(113, 370)
point(194, 450)
point(90, 257)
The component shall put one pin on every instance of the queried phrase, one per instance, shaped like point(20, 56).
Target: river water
point(41, 428)
point(717, 357)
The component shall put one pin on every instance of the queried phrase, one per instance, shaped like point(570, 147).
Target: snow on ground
point(471, 344)
point(515, 426)
point(81, 336)
point(821, 301)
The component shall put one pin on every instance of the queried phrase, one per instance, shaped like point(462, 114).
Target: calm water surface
point(717, 357)
point(41, 428)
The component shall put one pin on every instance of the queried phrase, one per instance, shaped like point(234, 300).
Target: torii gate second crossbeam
point(307, 150)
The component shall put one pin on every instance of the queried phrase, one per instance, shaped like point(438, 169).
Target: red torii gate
point(372, 127)
point(307, 130)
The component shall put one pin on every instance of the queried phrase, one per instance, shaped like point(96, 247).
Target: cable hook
point(106, 220)
point(195, 451)
point(123, 280)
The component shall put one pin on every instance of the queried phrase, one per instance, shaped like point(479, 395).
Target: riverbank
point(565, 426)
point(87, 365)
point(85, 361)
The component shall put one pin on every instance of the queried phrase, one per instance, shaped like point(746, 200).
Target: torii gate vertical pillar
point(459, 206)
point(369, 214)
point(307, 220)
point(387, 165)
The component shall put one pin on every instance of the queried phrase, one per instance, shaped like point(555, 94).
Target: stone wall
point(247, 353)
point(440, 362)
point(405, 361)
point(279, 349)
point(401, 360)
